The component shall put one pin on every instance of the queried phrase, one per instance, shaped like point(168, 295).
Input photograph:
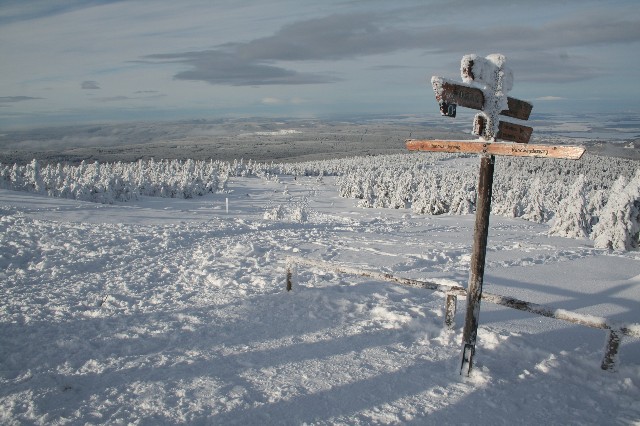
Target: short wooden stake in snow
point(450, 305)
point(611, 350)
point(486, 83)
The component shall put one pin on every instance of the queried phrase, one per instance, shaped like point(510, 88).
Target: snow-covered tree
point(619, 224)
point(597, 201)
point(572, 219)
point(464, 200)
point(368, 187)
point(402, 191)
point(509, 204)
point(429, 199)
point(534, 207)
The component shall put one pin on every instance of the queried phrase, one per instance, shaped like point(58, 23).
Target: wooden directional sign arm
point(459, 94)
point(497, 148)
point(517, 109)
point(514, 132)
point(472, 97)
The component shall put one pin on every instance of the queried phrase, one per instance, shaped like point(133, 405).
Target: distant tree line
point(596, 197)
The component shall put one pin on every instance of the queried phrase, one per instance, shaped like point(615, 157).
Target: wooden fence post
point(289, 276)
point(450, 310)
point(611, 350)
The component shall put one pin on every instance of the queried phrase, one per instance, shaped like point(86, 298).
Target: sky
point(74, 62)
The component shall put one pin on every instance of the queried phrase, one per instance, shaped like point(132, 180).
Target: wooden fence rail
point(453, 290)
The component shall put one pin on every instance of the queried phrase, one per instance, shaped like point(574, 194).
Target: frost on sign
point(486, 84)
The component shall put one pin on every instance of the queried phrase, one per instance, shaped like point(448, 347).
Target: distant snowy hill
point(289, 140)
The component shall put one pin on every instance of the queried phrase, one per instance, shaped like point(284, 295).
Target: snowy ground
point(174, 311)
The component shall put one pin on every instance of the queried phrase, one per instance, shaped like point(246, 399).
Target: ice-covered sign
point(486, 82)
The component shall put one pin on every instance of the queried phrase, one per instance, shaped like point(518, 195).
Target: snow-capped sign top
point(486, 84)
point(486, 71)
point(496, 80)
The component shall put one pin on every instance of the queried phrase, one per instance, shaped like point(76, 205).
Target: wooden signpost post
point(494, 80)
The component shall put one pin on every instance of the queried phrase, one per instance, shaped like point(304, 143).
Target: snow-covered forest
point(596, 197)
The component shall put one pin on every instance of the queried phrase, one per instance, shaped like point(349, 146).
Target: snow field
point(165, 311)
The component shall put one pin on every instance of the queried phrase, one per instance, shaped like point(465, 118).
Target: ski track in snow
point(173, 311)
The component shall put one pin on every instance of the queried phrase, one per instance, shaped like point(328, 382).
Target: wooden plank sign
point(497, 148)
point(471, 97)
point(517, 109)
point(507, 131)
point(514, 132)
point(459, 94)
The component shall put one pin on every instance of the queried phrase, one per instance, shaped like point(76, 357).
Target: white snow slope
point(165, 311)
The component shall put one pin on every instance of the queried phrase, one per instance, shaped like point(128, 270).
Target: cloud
point(14, 99)
point(20, 10)
point(589, 28)
point(545, 67)
point(111, 99)
point(331, 37)
point(280, 101)
point(272, 101)
point(149, 94)
point(353, 35)
point(231, 68)
point(550, 98)
point(90, 85)
point(392, 67)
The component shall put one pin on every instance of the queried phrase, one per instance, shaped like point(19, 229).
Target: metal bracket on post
point(447, 109)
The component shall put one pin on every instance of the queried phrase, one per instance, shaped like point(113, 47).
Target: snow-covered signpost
point(486, 83)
